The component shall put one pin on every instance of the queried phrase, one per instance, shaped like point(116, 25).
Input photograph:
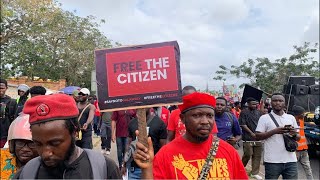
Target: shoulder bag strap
point(98, 164)
point(83, 111)
point(210, 158)
point(30, 170)
point(149, 120)
point(274, 120)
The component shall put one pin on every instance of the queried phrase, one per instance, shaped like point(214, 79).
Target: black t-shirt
point(20, 104)
point(157, 131)
point(79, 169)
point(83, 120)
point(249, 118)
point(7, 111)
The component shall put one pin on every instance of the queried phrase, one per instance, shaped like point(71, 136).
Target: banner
point(230, 90)
point(138, 76)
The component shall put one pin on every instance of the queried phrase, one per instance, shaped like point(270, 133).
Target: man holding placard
point(138, 77)
point(119, 129)
point(198, 154)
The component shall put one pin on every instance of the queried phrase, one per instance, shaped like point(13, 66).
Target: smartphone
point(288, 127)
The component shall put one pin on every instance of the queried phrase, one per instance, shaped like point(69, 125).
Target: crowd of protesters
point(50, 136)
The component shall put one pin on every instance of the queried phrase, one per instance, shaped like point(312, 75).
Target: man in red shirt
point(237, 109)
point(185, 156)
point(162, 112)
point(97, 116)
point(119, 131)
point(175, 126)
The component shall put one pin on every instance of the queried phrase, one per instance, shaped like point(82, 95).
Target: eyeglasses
point(21, 144)
point(81, 94)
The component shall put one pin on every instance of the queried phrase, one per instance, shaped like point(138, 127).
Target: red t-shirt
point(122, 119)
point(165, 113)
point(182, 159)
point(97, 113)
point(175, 124)
point(236, 113)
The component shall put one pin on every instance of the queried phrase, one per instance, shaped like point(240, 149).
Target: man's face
point(252, 105)
point(3, 89)
point(25, 150)
point(228, 108)
point(199, 123)
point(277, 102)
point(21, 93)
point(220, 106)
point(53, 141)
point(82, 97)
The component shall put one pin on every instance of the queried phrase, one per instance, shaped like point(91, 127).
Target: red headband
point(196, 100)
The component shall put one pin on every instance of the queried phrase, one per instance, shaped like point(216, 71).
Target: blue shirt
point(224, 124)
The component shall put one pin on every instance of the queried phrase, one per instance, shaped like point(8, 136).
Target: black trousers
point(85, 142)
point(106, 141)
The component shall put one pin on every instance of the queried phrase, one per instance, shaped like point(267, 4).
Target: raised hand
point(143, 156)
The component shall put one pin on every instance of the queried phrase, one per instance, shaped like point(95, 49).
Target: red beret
point(197, 100)
point(50, 107)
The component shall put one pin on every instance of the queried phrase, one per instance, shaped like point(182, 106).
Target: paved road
point(315, 162)
point(97, 146)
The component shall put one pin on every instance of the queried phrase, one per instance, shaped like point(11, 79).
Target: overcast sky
point(209, 32)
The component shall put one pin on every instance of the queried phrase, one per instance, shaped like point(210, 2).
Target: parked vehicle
point(312, 131)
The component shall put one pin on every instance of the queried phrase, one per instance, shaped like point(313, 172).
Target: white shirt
point(274, 148)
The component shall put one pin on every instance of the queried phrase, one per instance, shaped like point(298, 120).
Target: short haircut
point(189, 88)
point(250, 99)
point(297, 110)
point(222, 98)
point(236, 103)
point(4, 82)
point(276, 94)
point(38, 90)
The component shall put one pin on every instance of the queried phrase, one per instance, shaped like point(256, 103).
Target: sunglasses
point(81, 94)
point(21, 144)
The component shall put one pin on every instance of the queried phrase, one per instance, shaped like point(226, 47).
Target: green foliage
point(39, 39)
point(271, 75)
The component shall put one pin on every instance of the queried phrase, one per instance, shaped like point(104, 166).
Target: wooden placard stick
point(142, 126)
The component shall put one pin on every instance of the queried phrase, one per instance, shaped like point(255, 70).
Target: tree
point(269, 75)
point(19, 17)
point(43, 40)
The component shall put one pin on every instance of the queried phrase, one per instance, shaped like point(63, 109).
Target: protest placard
point(138, 76)
point(250, 91)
